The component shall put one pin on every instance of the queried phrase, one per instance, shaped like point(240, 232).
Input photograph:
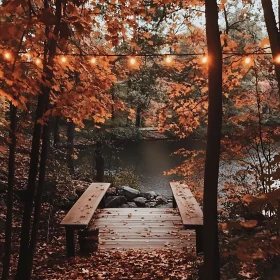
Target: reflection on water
point(149, 159)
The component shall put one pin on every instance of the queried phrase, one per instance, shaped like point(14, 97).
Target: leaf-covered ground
point(119, 265)
point(51, 263)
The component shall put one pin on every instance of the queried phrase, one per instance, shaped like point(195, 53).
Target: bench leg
point(199, 239)
point(70, 242)
point(174, 202)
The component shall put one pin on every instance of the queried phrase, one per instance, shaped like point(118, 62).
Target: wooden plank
point(145, 236)
point(114, 211)
point(140, 218)
point(190, 210)
point(82, 211)
point(155, 228)
point(144, 241)
point(146, 246)
point(98, 224)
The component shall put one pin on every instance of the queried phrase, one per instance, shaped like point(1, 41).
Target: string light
point(277, 58)
point(168, 59)
point(132, 61)
point(63, 59)
point(248, 60)
point(38, 61)
point(204, 59)
point(93, 60)
point(7, 55)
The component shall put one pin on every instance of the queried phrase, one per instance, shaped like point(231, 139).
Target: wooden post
point(70, 242)
point(199, 239)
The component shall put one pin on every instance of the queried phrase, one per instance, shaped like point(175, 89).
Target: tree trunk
point(99, 162)
point(211, 270)
point(38, 201)
point(28, 207)
point(273, 34)
point(11, 179)
point(25, 258)
point(138, 116)
point(70, 146)
point(56, 137)
point(113, 105)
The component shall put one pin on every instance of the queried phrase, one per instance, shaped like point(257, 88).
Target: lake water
point(149, 159)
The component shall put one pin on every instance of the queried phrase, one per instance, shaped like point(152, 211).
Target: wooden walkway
point(142, 228)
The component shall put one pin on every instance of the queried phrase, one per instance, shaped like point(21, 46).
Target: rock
point(80, 189)
point(151, 204)
point(4, 175)
point(3, 187)
point(168, 205)
point(132, 204)
point(140, 201)
point(115, 201)
point(73, 197)
point(125, 205)
point(111, 191)
point(161, 200)
point(149, 195)
point(109, 172)
point(65, 204)
point(129, 192)
point(2, 202)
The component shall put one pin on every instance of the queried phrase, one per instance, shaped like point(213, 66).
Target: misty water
point(148, 159)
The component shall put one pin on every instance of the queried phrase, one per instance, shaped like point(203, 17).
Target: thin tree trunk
point(211, 270)
point(25, 254)
point(273, 34)
point(56, 137)
point(38, 201)
point(138, 116)
point(70, 146)
point(11, 179)
point(28, 207)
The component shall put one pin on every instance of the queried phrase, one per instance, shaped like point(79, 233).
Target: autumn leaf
point(264, 42)
point(3, 150)
point(249, 224)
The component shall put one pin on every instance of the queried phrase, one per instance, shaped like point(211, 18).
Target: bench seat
point(190, 211)
point(81, 213)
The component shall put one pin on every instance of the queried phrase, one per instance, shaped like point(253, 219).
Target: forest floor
point(252, 254)
point(50, 260)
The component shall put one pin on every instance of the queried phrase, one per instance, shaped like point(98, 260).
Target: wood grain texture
point(127, 228)
point(82, 211)
point(189, 208)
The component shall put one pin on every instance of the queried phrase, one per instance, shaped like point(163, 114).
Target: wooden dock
point(142, 228)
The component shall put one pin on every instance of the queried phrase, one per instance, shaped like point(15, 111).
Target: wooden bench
point(81, 213)
point(190, 211)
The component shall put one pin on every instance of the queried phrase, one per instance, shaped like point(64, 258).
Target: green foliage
point(124, 177)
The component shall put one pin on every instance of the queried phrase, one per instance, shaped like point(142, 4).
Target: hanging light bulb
point(63, 59)
point(168, 59)
point(93, 60)
point(7, 55)
point(277, 59)
point(38, 61)
point(204, 59)
point(132, 60)
point(248, 60)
